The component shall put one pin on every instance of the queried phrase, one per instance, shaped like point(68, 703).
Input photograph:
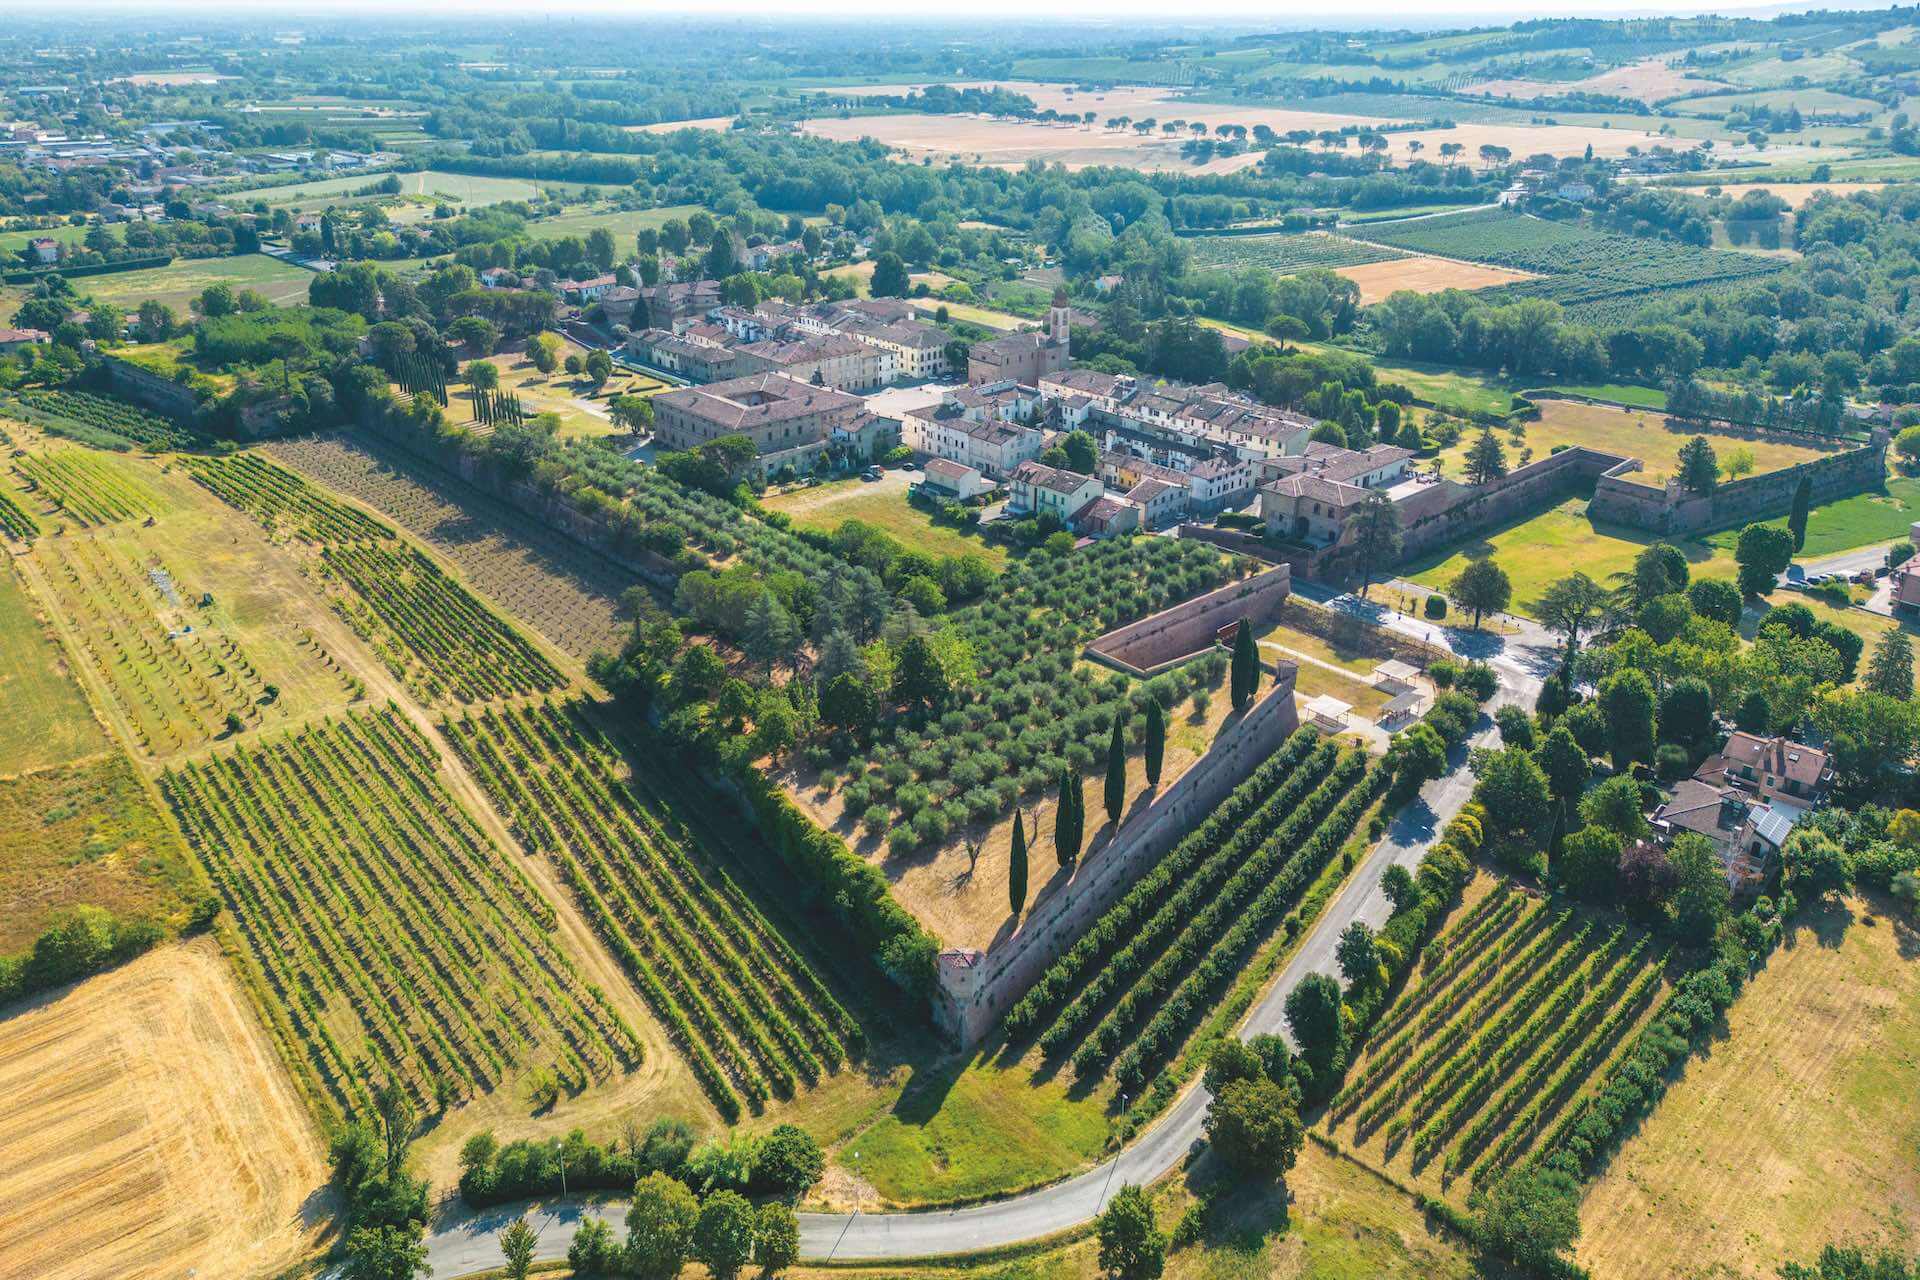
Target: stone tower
point(1058, 316)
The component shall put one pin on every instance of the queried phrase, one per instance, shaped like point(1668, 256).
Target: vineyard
point(1583, 267)
point(15, 521)
point(1127, 994)
point(1286, 254)
point(395, 937)
point(1035, 709)
point(282, 501)
point(171, 671)
point(430, 631)
point(567, 594)
point(752, 1018)
point(88, 488)
point(96, 419)
point(1520, 1006)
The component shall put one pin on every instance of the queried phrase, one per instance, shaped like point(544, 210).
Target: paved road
point(472, 1243)
point(1848, 562)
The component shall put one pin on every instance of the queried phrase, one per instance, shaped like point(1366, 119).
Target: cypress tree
point(1066, 845)
point(1246, 665)
point(1156, 740)
point(1117, 768)
point(1797, 518)
point(1017, 866)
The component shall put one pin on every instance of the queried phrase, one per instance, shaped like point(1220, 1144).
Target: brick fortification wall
point(1672, 511)
point(144, 387)
point(1459, 511)
point(1161, 640)
point(976, 988)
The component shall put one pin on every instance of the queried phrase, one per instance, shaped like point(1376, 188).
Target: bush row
point(1282, 885)
point(1122, 920)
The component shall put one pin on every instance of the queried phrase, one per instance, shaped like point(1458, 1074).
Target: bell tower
point(1058, 316)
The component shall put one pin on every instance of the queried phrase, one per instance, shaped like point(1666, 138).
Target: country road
point(471, 1243)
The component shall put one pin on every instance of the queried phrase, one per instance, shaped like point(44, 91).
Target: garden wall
point(553, 510)
point(1674, 511)
point(976, 988)
point(1171, 636)
point(145, 387)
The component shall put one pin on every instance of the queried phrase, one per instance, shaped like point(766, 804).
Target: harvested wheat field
point(149, 1131)
point(1797, 1126)
point(1653, 80)
point(1424, 275)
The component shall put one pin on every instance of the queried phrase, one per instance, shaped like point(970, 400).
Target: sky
point(1268, 14)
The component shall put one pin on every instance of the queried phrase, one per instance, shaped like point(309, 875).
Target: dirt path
point(149, 1131)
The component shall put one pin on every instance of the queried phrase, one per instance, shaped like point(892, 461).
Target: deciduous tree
point(1481, 588)
point(1132, 1246)
point(1254, 1126)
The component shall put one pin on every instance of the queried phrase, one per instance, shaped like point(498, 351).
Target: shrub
point(1436, 606)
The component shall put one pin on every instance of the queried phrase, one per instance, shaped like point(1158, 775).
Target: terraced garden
point(567, 594)
point(1127, 994)
point(392, 933)
point(750, 1015)
point(1500, 1034)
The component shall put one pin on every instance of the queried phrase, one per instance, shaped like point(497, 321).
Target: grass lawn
point(462, 188)
point(561, 393)
point(974, 1128)
point(1624, 392)
point(1356, 652)
point(623, 223)
point(12, 242)
point(185, 278)
point(1536, 550)
point(1859, 521)
point(1315, 680)
point(1458, 390)
point(972, 314)
point(1796, 1127)
point(88, 832)
point(884, 506)
point(1639, 434)
point(47, 720)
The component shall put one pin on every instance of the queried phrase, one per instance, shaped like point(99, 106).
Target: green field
point(457, 187)
point(885, 507)
point(185, 278)
point(47, 720)
point(87, 833)
point(970, 1130)
point(623, 223)
point(1286, 253)
point(14, 241)
point(1537, 549)
point(1809, 101)
point(1617, 392)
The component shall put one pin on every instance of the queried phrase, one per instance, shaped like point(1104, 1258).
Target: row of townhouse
point(853, 346)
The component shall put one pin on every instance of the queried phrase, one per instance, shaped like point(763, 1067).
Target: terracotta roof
point(1042, 476)
point(756, 400)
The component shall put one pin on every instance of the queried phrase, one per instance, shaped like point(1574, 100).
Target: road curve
point(471, 1243)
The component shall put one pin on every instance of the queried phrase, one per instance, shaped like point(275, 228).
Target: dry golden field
point(149, 1131)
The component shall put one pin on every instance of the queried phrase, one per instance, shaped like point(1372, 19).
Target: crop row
point(1287, 253)
point(1248, 807)
point(1507, 1043)
point(568, 594)
point(84, 486)
point(174, 684)
point(442, 641)
point(281, 500)
point(1486, 937)
point(1247, 910)
point(15, 521)
point(396, 937)
point(53, 410)
point(1525, 977)
point(1612, 262)
point(753, 1020)
point(1195, 889)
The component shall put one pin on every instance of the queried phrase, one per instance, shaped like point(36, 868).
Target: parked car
point(871, 473)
